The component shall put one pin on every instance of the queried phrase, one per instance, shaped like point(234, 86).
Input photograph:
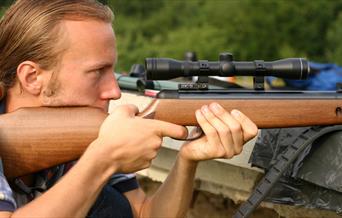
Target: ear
point(29, 78)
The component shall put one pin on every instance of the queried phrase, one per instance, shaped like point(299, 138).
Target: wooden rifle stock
point(271, 113)
point(32, 139)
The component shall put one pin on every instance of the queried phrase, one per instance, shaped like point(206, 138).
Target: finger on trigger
point(166, 129)
point(250, 130)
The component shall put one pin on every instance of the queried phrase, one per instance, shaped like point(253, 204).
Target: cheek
point(86, 93)
point(81, 92)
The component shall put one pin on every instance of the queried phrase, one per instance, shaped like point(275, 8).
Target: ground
point(208, 205)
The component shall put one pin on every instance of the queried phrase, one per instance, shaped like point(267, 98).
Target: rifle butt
point(41, 138)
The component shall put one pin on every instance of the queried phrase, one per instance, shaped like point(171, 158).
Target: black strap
point(23, 188)
point(57, 172)
point(281, 165)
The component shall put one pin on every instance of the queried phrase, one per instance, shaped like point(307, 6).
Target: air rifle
point(268, 109)
point(32, 139)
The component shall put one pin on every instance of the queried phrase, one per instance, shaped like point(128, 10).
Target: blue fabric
point(126, 186)
point(7, 202)
point(325, 76)
point(7, 206)
point(2, 107)
point(110, 204)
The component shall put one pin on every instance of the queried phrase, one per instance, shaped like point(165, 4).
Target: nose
point(110, 87)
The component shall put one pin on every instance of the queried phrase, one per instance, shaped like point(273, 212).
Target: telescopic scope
point(166, 68)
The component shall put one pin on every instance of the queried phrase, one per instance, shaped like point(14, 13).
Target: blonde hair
point(30, 30)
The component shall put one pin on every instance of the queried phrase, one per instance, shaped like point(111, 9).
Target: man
point(63, 52)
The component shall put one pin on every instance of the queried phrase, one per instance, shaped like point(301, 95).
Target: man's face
point(85, 75)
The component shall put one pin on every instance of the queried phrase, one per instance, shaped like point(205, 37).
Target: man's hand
point(225, 134)
point(129, 142)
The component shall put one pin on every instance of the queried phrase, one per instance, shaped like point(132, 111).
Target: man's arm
point(172, 199)
point(66, 198)
point(5, 214)
point(113, 151)
point(225, 135)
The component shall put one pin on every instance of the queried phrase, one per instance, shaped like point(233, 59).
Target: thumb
point(127, 110)
point(249, 129)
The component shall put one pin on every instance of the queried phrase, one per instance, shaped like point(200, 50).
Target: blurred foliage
point(2, 10)
point(4, 3)
point(334, 50)
point(250, 29)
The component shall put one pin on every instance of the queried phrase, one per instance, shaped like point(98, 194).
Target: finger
point(127, 110)
point(233, 125)
point(250, 130)
point(223, 131)
point(203, 116)
point(123, 111)
point(166, 129)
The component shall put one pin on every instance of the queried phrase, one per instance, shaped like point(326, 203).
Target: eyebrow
point(99, 65)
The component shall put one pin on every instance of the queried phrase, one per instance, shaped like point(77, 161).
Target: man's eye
point(98, 71)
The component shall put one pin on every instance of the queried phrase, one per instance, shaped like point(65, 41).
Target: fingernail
point(205, 109)
point(236, 113)
point(216, 107)
point(198, 113)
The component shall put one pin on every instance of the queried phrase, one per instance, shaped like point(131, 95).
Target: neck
point(16, 99)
